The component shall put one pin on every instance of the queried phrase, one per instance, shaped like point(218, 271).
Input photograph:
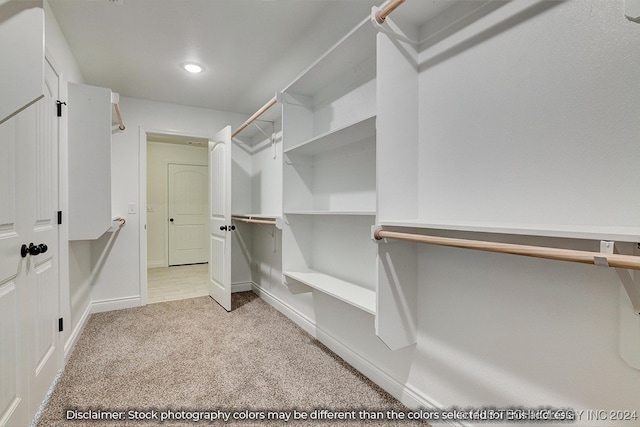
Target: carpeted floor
point(192, 356)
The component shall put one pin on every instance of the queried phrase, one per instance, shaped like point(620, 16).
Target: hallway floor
point(177, 282)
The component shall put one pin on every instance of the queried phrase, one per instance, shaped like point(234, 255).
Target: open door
point(220, 218)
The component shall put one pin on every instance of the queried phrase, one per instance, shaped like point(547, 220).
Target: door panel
point(220, 218)
point(13, 334)
point(29, 285)
point(187, 200)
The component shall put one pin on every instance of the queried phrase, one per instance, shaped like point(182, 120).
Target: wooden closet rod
point(598, 258)
point(117, 107)
point(254, 221)
point(387, 8)
point(257, 114)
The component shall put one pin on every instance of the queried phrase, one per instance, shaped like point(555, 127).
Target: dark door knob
point(223, 227)
point(232, 227)
point(33, 249)
point(170, 219)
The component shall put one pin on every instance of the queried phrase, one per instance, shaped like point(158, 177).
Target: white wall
point(518, 113)
point(159, 155)
point(58, 46)
point(118, 282)
point(75, 265)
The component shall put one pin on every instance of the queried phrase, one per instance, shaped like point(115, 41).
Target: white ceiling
point(250, 48)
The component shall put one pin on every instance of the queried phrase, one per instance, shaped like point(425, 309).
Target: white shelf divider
point(358, 296)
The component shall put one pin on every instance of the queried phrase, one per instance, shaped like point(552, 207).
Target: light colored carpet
point(192, 355)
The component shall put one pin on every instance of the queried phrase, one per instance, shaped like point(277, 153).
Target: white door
point(187, 200)
point(220, 218)
point(13, 280)
point(29, 284)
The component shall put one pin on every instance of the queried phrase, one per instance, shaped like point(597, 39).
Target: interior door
point(220, 218)
point(29, 283)
point(188, 224)
point(13, 280)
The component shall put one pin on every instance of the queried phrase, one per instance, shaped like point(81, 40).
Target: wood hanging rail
point(257, 114)
point(585, 257)
point(117, 107)
point(254, 220)
point(387, 8)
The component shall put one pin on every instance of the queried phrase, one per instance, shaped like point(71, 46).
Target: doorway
point(177, 188)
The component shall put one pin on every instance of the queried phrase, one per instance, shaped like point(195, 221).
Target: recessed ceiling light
point(192, 67)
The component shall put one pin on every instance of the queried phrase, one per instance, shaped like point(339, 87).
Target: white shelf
point(623, 234)
point(260, 216)
point(337, 213)
point(362, 298)
point(353, 49)
point(337, 138)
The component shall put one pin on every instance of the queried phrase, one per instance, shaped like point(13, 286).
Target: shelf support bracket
point(631, 284)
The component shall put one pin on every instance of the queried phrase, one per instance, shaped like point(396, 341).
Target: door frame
point(64, 302)
point(142, 201)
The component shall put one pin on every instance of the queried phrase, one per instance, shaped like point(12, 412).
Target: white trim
point(142, 203)
point(298, 318)
point(74, 335)
point(405, 393)
point(241, 287)
point(142, 199)
point(115, 304)
point(45, 401)
point(157, 264)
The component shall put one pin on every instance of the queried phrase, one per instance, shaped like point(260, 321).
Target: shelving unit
point(329, 136)
point(338, 90)
point(257, 195)
point(90, 122)
point(332, 254)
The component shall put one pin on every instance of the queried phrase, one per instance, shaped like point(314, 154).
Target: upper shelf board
point(353, 49)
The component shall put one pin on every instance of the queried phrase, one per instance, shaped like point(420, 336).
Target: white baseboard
point(241, 287)
point(405, 393)
point(115, 304)
point(157, 264)
point(298, 318)
point(76, 332)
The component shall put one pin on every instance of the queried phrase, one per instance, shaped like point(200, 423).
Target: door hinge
point(60, 325)
point(59, 217)
point(59, 104)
